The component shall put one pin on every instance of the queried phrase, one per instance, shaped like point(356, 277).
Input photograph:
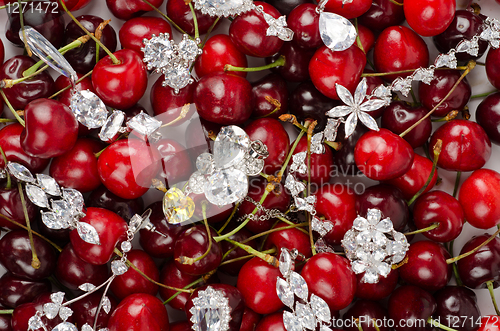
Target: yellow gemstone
point(177, 206)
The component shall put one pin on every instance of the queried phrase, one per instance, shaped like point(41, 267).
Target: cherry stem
point(279, 62)
point(482, 95)
point(266, 257)
point(439, 325)
point(195, 22)
point(199, 280)
point(358, 40)
point(190, 260)
point(21, 21)
point(335, 145)
point(165, 17)
point(292, 119)
point(427, 229)
point(454, 265)
point(492, 295)
point(358, 325)
point(269, 251)
point(35, 262)
point(450, 116)
point(407, 71)
point(469, 67)
point(12, 110)
point(310, 130)
point(6, 311)
point(98, 42)
point(9, 183)
point(456, 258)
point(185, 109)
point(7, 120)
point(436, 150)
point(212, 27)
point(375, 324)
point(235, 209)
point(70, 85)
point(273, 102)
point(457, 182)
point(396, 3)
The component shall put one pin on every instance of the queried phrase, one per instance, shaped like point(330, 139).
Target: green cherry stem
point(12, 110)
point(454, 265)
point(358, 39)
point(235, 209)
point(71, 86)
point(168, 19)
point(195, 21)
point(279, 62)
point(9, 183)
point(482, 95)
point(35, 262)
point(6, 311)
point(310, 130)
point(439, 325)
point(407, 71)
point(269, 251)
point(199, 280)
point(249, 249)
point(427, 229)
point(492, 295)
point(456, 258)
point(212, 27)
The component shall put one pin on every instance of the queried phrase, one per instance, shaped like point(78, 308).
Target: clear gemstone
point(88, 109)
point(197, 182)
point(317, 146)
point(88, 233)
point(320, 308)
point(86, 327)
point(158, 51)
point(35, 322)
point(250, 166)
point(3, 173)
point(126, 246)
point(370, 277)
point(187, 49)
point(210, 311)
point(224, 8)
point(298, 285)
point(402, 85)
point(226, 186)
point(320, 226)
point(358, 267)
point(118, 267)
point(385, 225)
point(177, 206)
point(20, 172)
point(360, 223)
point(143, 124)
point(284, 292)
point(332, 128)
point(51, 310)
point(48, 184)
point(337, 32)
point(86, 287)
point(65, 326)
point(135, 223)
point(322, 247)
point(37, 196)
point(291, 322)
point(373, 216)
point(298, 163)
point(65, 313)
point(294, 186)
point(277, 27)
point(63, 211)
point(205, 163)
point(230, 146)
point(74, 198)
point(306, 203)
point(112, 126)
point(57, 297)
point(425, 75)
point(446, 60)
point(106, 304)
point(52, 221)
point(306, 316)
point(378, 238)
point(177, 77)
point(285, 262)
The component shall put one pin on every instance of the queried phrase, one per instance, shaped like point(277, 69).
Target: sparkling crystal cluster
point(373, 246)
point(277, 27)
point(224, 8)
point(210, 311)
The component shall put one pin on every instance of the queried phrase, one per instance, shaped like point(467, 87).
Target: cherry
point(465, 25)
point(272, 133)
point(223, 98)
point(271, 322)
point(383, 155)
point(350, 10)
point(321, 164)
point(399, 48)
point(250, 320)
point(2, 52)
point(466, 146)
point(399, 116)
point(330, 277)
point(72, 271)
point(430, 95)
point(5, 323)
point(214, 213)
point(289, 239)
point(382, 14)
point(83, 58)
point(489, 323)
point(193, 243)
point(367, 312)
point(137, 312)
point(337, 203)
point(285, 7)
point(180, 13)
point(15, 290)
point(488, 116)
point(429, 17)
point(65, 96)
point(344, 158)
point(218, 51)
point(270, 86)
point(180, 326)
point(197, 136)
point(492, 70)
point(304, 22)
point(366, 38)
point(125, 208)
point(235, 302)
point(408, 305)
point(328, 68)
point(132, 281)
point(134, 31)
point(19, 95)
point(176, 165)
point(80, 4)
point(389, 200)
point(441, 208)
point(111, 229)
point(296, 67)
point(234, 268)
point(127, 166)
point(257, 284)
point(10, 140)
point(126, 9)
point(248, 32)
point(84, 310)
point(457, 304)
point(481, 266)
point(414, 179)
point(120, 85)
point(166, 103)
point(379, 290)
point(18, 261)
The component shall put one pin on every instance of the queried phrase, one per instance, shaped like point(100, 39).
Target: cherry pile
point(435, 176)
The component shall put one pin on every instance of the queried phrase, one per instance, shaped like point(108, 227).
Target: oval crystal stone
point(230, 147)
point(226, 186)
point(88, 109)
point(337, 32)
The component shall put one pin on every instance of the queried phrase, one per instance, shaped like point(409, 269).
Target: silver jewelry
point(210, 311)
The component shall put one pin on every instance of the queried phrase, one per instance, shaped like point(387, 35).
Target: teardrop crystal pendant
point(336, 31)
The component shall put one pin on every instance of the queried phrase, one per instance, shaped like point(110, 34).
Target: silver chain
point(268, 213)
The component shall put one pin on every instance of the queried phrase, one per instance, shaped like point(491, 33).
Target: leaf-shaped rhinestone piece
point(65, 326)
point(48, 184)
point(37, 196)
point(86, 327)
point(322, 227)
point(285, 262)
point(320, 308)
point(446, 60)
point(298, 285)
point(317, 146)
point(106, 304)
point(306, 316)
point(278, 27)
point(87, 287)
point(20, 172)
point(291, 322)
point(298, 163)
point(88, 233)
point(285, 293)
point(118, 267)
point(294, 186)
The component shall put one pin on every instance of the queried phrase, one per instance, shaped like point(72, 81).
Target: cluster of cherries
point(177, 261)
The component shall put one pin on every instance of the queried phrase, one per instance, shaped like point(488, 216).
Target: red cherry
point(487, 115)
point(383, 155)
point(330, 277)
point(271, 322)
point(455, 301)
point(408, 305)
point(180, 326)
point(480, 198)
point(15, 290)
point(80, 4)
point(289, 239)
point(11, 206)
point(176, 165)
point(168, 104)
point(138, 312)
point(353, 9)
point(304, 22)
point(492, 69)
point(126, 9)
point(180, 13)
point(367, 312)
point(2, 52)
point(321, 164)
point(379, 290)
point(328, 68)
point(270, 86)
point(399, 48)
point(120, 85)
point(366, 37)
point(134, 31)
point(257, 284)
point(84, 310)
point(218, 51)
point(429, 17)
point(382, 14)
point(296, 67)
point(111, 229)
point(250, 320)
point(103, 198)
point(127, 166)
point(489, 322)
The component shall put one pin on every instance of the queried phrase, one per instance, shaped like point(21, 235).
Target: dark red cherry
point(15, 290)
point(234, 268)
point(84, 310)
point(83, 58)
point(304, 22)
point(439, 207)
point(289, 239)
point(18, 260)
point(296, 67)
point(328, 68)
point(492, 69)
point(63, 82)
point(457, 303)
point(382, 155)
point(180, 326)
point(271, 322)
point(285, 7)
point(218, 51)
point(257, 284)
point(176, 165)
point(111, 229)
point(249, 321)
point(337, 203)
point(138, 312)
point(321, 164)
point(399, 116)
point(214, 213)
point(430, 95)
point(382, 14)
point(389, 200)
point(429, 17)
point(379, 290)
point(181, 14)
point(353, 9)
point(11, 206)
point(367, 312)
point(408, 305)
point(272, 133)
point(366, 38)
point(127, 167)
point(19, 95)
point(270, 86)
point(223, 98)
point(168, 105)
point(399, 48)
point(248, 32)
point(466, 146)
point(330, 277)
point(2, 52)
point(126, 9)
point(5, 323)
point(481, 266)
point(197, 136)
point(344, 158)
point(488, 116)
point(103, 198)
point(134, 31)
